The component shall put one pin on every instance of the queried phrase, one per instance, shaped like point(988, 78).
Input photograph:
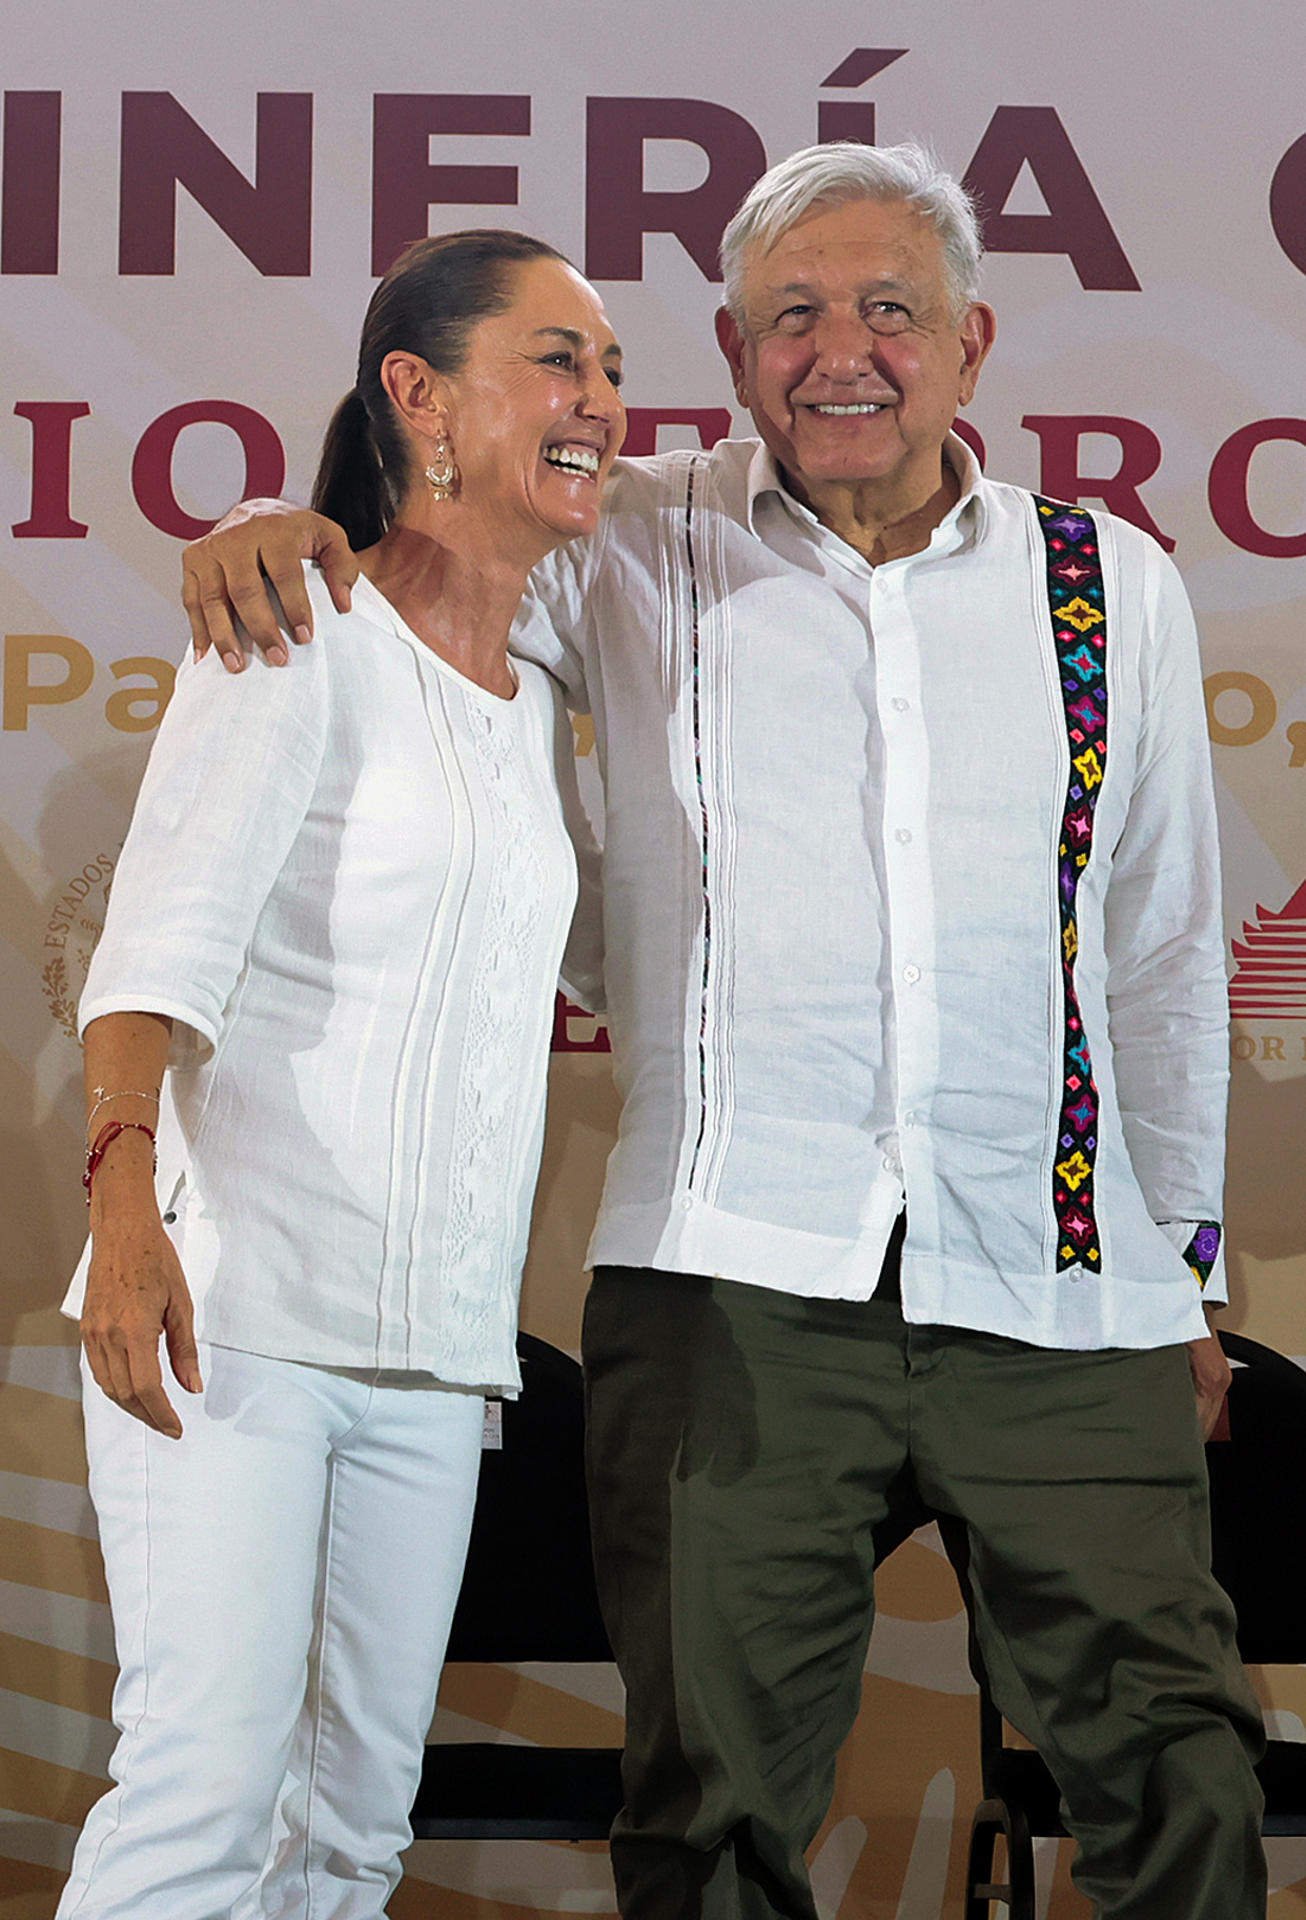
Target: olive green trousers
point(740, 1445)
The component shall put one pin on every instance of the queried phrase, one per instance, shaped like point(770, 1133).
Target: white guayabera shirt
point(837, 804)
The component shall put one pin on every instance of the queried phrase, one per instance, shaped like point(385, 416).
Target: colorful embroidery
point(1078, 615)
point(1203, 1250)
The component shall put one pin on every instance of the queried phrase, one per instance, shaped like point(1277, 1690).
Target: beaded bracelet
point(104, 1139)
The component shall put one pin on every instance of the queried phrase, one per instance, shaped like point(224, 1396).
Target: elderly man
point(911, 902)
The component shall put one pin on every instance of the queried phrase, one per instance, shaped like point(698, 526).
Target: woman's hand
point(136, 1293)
point(257, 550)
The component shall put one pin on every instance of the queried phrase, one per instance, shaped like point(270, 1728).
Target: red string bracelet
point(104, 1139)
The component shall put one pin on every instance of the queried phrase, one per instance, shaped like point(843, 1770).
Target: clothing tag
point(492, 1431)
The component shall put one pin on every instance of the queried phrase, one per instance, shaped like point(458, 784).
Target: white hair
point(847, 170)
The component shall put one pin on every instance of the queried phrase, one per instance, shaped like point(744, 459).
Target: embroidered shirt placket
point(1077, 610)
point(406, 1200)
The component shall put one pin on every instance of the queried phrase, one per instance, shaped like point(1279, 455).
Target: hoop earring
point(442, 474)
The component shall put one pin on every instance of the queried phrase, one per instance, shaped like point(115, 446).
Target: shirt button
point(899, 705)
point(903, 836)
point(910, 1119)
point(686, 1202)
point(911, 973)
point(891, 1165)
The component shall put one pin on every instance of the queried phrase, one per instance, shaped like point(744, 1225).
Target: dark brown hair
point(427, 304)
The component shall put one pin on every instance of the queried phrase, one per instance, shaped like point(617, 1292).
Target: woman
point(337, 920)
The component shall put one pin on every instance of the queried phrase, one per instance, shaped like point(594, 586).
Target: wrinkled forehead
point(849, 249)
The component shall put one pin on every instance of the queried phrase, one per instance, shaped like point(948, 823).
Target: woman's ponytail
point(351, 486)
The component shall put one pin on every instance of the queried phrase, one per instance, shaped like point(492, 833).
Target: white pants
point(282, 1581)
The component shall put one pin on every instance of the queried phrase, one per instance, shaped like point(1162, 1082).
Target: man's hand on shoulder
point(1211, 1375)
point(255, 552)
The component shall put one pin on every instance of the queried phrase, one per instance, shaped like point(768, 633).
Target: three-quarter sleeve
point(226, 789)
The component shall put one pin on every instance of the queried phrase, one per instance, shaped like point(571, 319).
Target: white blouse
point(348, 882)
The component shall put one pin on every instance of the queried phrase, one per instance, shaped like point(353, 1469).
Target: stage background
point(164, 347)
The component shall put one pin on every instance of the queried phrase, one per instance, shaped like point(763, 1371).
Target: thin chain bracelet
point(103, 1097)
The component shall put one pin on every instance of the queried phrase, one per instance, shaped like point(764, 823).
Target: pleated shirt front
point(840, 813)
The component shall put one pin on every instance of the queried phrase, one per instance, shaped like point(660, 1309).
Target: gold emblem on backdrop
point(75, 924)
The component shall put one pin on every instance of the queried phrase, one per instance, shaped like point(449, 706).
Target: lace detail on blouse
point(484, 1152)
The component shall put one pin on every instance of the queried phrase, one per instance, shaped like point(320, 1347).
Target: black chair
point(527, 1594)
point(1257, 1467)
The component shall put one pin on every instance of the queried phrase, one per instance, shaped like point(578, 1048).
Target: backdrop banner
point(194, 206)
